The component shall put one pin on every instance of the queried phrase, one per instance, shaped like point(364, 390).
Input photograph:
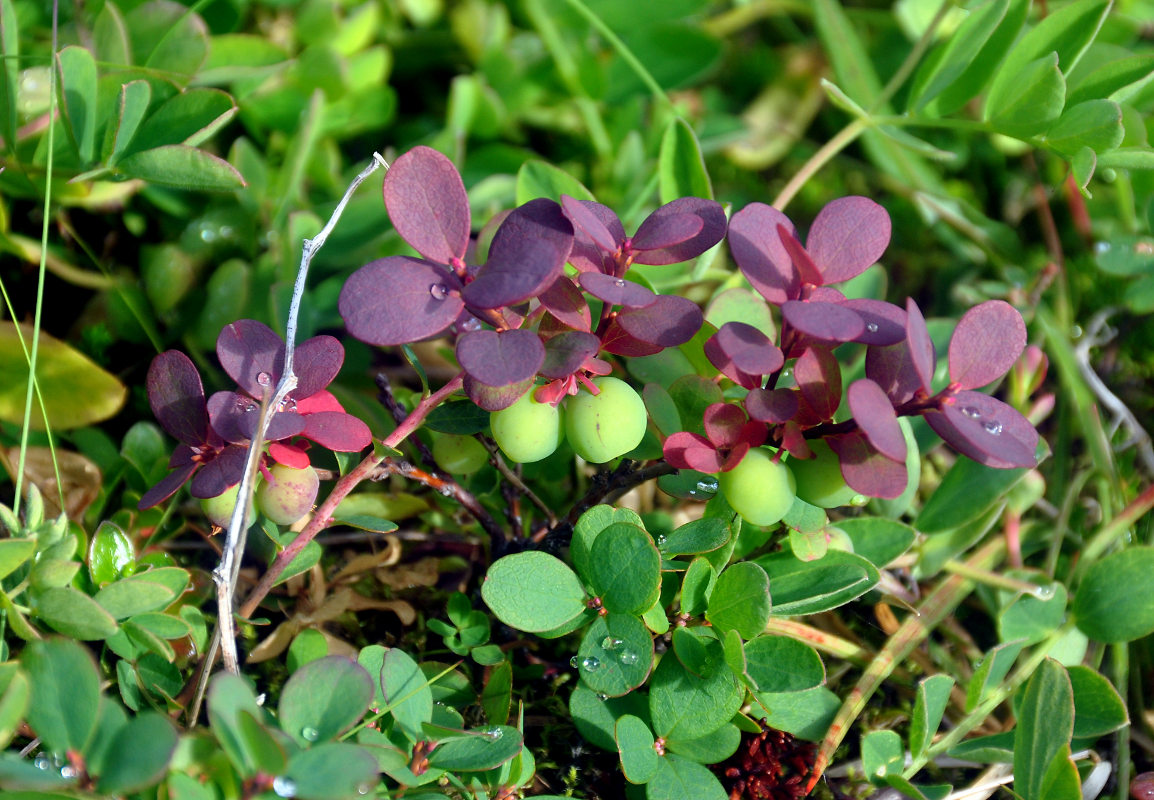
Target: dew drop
point(284, 787)
point(627, 657)
point(310, 734)
point(610, 643)
point(992, 427)
point(872, 327)
point(67, 772)
point(575, 662)
point(439, 291)
point(661, 540)
point(226, 231)
point(619, 283)
point(1102, 247)
point(493, 734)
point(590, 663)
point(42, 762)
point(972, 412)
point(1044, 593)
point(207, 234)
point(1076, 332)
point(263, 378)
point(364, 788)
point(602, 696)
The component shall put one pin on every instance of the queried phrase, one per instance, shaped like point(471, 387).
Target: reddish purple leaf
point(427, 204)
point(986, 429)
point(338, 431)
point(669, 321)
point(807, 269)
point(893, 370)
point(615, 339)
point(826, 294)
point(176, 396)
point(921, 347)
point(527, 255)
point(566, 302)
point(988, 340)
point(236, 416)
point(723, 424)
point(771, 405)
point(885, 323)
point(666, 231)
point(825, 322)
point(397, 300)
point(759, 253)
point(220, 474)
point(587, 255)
point(866, 470)
point(316, 363)
point(567, 351)
point(743, 353)
point(818, 376)
point(586, 221)
point(685, 450)
point(849, 236)
point(616, 291)
point(252, 354)
point(167, 486)
point(494, 398)
point(501, 358)
point(793, 440)
point(713, 225)
point(875, 416)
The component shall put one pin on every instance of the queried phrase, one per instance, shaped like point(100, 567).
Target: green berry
point(760, 489)
point(288, 494)
point(603, 426)
point(526, 431)
point(459, 455)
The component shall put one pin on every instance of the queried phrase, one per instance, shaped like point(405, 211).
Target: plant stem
point(839, 142)
point(995, 580)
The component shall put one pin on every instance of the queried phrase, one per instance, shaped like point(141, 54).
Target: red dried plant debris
point(770, 765)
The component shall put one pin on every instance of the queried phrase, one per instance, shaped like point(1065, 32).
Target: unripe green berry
point(219, 509)
point(288, 494)
point(760, 489)
point(459, 455)
point(819, 479)
point(606, 425)
point(526, 431)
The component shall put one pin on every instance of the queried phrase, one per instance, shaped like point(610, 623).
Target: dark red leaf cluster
point(770, 765)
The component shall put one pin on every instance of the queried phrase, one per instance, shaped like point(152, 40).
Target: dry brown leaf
point(366, 562)
point(81, 478)
point(406, 576)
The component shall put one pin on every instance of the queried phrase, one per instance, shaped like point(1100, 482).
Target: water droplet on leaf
point(1102, 247)
point(619, 283)
point(284, 787)
point(42, 762)
point(590, 663)
point(1076, 332)
point(627, 657)
point(872, 327)
point(263, 378)
point(661, 540)
point(602, 696)
point(439, 291)
point(364, 788)
point(493, 734)
point(1044, 593)
point(992, 427)
point(972, 412)
point(609, 643)
point(68, 772)
point(310, 734)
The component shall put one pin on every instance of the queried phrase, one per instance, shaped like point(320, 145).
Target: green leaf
point(533, 591)
point(14, 553)
point(780, 664)
point(1082, 166)
point(1062, 781)
point(1116, 80)
point(65, 694)
point(110, 553)
point(697, 586)
point(957, 54)
point(151, 739)
point(991, 671)
point(15, 697)
point(1028, 104)
point(698, 536)
point(881, 754)
point(985, 63)
point(406, 691)
point(698, 650)
point(267, 754)
point(878, 540)
point(995, 749)
point(1032, 619)
point(709, 749)
point(801, 587)
point(1067, 31)
point(1096, 124)
point(964, 494)
point(63, 374)
point(1112, 603)
point(21, 779)
point(680, 164)
point(538, 179)
point(164, 626)
point(1045, 723)
point(308, 645)
point(679, 778)
point(1125, 255)
point(635, 748)
point(1098, 708)
point(589, 527)
point(625, 569)
point(332, 771)
point(228, 697)
point(596, 718)
point(77, 75)
point(133, 103)
point(478, 750)
point(615, 654)
point(1127, 158)
point(127, 597)
point(497, 696)
point(325, 698)
point(846, 51)
point(807, 715)
point(930, 704)
point(74, 614)
point(182, 167)
point(169, 38)
point(684, 706)
point(188, 118)
point(740, 600)
point(9, 72)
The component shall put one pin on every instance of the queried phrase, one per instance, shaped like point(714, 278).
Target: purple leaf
point(616, 291)
point(427, 204)
point(176, 396)
point(316, 363)
point(167, 486)
point(567, 351)
point(727, 426)
point(252, 354)
point(220, 474)
point(566, 302)
point(921, 347)
point(825, 322)
point(818, 376)
point(985, 429)
point(807, 269)
point(236, 416)
point(586, 221)
point(875, 416)
point(615, 339)
point(988, 340)
point(667, 322)
point(587, 255)
point(494, 398)
point(866, 470)
point(743, 353)
point(849, 236)
point(826, 294)
point(759, 253)
point(397, 300)
point(885, 323)
point(501, 358)
point(666, 231)
point(713, 225)
point(337, 430)
point(685, 450)
point(893, 370)
point(527, 255)
point(771, 405)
